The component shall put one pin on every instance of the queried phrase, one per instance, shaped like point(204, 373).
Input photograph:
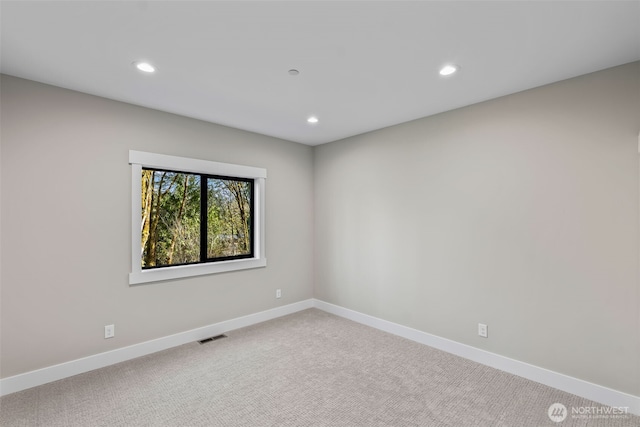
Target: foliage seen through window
point(194, 218)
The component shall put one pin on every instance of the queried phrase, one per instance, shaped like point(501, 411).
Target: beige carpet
point(307, 369)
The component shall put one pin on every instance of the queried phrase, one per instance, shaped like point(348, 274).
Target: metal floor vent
point(217, 337)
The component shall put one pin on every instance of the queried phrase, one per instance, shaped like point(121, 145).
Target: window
point(192, 217)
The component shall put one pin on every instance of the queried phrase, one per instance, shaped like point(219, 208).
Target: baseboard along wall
point(585, 389)
point(57, 372)
point(597, 393)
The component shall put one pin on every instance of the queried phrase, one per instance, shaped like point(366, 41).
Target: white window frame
point(139, 160)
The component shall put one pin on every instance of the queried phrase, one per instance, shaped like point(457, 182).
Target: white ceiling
point(363, 65)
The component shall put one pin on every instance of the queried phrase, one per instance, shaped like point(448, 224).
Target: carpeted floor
point(306, 369)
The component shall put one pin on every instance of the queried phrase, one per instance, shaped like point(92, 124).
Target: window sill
point(182, 271)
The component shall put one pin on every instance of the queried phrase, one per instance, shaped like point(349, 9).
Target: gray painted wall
point(66, 215)
point(520, 212)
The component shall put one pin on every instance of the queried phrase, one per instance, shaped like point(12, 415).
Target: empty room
point(320, 213)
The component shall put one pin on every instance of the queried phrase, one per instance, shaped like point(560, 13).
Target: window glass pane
point(228, 218)
point(170, 232)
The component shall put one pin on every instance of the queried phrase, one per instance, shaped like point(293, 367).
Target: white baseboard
point(597, 393)
point(581, 388)
point(79, 366)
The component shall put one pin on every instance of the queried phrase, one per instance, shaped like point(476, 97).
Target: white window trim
point(140, 159)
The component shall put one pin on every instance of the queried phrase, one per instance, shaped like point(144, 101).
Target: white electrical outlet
point(483, 330)
point(278, 293)
point(109, 331)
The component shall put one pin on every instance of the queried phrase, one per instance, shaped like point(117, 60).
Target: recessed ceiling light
point(145, 66)
point(312, 119)
point(293, 72)
point(449, 69)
